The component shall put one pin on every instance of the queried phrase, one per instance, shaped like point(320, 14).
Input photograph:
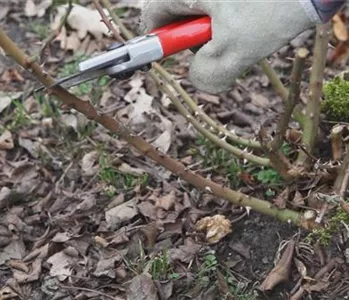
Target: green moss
point(336, 103)
point(335, 224)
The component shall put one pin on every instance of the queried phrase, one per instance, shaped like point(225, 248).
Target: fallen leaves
point(6, 141)
point(142, 287)
point(121, 213)
point(216, 227)
point(36, 10)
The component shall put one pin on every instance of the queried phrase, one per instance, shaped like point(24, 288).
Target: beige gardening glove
point(243, 33)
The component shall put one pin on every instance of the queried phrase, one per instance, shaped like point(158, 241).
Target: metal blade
point(76, 79)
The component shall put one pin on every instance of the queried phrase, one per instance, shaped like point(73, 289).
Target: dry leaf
point(83, 20)
point(339, 28)
point(142, 287)
point(42, 7)
point(61, 264)
point(216, 227)
point(184, 253)
point(30, 8)
point(31, 275)
point(72, 42)
point(12, 75)
point(106, 267)
point(14, 250)
point(32, 147)
point(127, 169)
point(298, 199)
point(166, 202)
point(89, 163)
point(6, 99)
point(281, 200)
point(121, 213)
point(280, 273)
point(6, 141)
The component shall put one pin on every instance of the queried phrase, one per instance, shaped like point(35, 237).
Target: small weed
point(115, 179)
point(268, 176)
point(20, 117)
point(39, 29)
point(335, 223)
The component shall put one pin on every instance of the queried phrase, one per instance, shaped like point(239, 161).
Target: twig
point(55, 33)
point(213, 138)
point(106, 21)
point(342, 180)
point(86, 290)
point(311, 122)
point(115, 126)
point(280, 88)
point(292, 99)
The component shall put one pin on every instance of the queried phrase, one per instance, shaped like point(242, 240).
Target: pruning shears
point(121, 60)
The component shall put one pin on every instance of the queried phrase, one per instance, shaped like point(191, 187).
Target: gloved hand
point(243, 33)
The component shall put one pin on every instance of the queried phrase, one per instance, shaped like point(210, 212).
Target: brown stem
point(311, 122)
point(113, 125)
point(106, 21)
point(292, 98)
point(342, 180)
point(280, 88)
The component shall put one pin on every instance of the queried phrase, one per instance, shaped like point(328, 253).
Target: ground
point(85, 216)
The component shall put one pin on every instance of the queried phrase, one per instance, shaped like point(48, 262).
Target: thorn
point(224, 138)
point(207, 188)
point(248, 209)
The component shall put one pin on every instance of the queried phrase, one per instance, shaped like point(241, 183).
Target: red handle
point(184, 34)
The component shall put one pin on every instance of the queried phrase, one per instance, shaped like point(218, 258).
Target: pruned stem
point(292, 98)
point(280, 89)
point(311, 122)
point(113, 125)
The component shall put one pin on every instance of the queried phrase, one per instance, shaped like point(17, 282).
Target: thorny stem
point(311, 122)
point(280, 88)
point(201, 114)
point(113, 125)
point(213, 138)
point(292, 98)
point(106, 21)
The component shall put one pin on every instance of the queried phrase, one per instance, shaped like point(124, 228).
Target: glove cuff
point(321, 11)
point(311, 11)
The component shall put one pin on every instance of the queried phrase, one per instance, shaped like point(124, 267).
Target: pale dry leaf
point(83, 20)
point(166, 202)
point(3, 12)
point(32, 275)
point(32, 147)
point(42, 7)
point(72, 42)
point(89, 163)
point(127, 169)
point(87, 204)
point(121, 213)
point(61, 264)
point(14, 250)
point(61, 237)
point(339, 28)
point(30, 9)
point(106, 267)
point(6, 140)
point(142, 287)
point(216, 227)
point(184, 253)
point(163, 142)
point(7, 98)
point(302, 269)
point(69, 120)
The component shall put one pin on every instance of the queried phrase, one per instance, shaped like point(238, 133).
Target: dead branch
point(114, 126)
